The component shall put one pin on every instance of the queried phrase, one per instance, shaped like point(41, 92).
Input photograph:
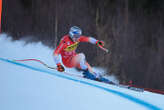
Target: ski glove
point(60, 68)
point(100, 43)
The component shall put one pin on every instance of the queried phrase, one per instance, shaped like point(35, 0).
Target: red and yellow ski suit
point(67, 50)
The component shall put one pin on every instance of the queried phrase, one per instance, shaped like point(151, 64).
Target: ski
point(106, 81)
point(131, 88)
point(125, 86)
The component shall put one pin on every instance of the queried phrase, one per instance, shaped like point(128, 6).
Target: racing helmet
point(75, 32)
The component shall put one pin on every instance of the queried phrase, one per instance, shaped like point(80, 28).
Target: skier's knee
point(81, 56)
point(82, 61)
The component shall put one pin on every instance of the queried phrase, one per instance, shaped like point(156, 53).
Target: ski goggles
point(76, 34)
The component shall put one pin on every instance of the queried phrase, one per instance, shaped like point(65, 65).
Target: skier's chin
point(75, 40)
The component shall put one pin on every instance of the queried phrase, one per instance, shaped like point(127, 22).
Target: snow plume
point(23, 49)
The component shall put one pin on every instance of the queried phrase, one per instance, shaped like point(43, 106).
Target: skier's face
point(75, 38)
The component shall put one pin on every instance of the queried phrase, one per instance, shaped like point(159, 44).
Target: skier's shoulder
point(64, 38)
point(83, 38)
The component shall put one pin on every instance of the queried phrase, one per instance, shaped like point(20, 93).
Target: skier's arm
point(57, 53)
point(91, 40)
point(57, 58)
point(87, 39)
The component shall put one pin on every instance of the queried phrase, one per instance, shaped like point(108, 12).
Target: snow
point(31, 86)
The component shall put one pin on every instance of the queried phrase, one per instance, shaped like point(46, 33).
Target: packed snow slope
point(31, 86)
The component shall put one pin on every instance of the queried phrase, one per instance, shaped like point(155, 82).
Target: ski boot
point(88, 75)
point(97, 77)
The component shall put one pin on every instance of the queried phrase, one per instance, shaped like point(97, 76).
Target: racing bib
point(71, 47)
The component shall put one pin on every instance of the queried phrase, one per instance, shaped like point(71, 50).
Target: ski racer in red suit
point(67, 50)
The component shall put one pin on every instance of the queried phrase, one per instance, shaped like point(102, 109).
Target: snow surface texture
point(31, 86)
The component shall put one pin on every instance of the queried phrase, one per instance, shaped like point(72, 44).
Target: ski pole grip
point(100, 43)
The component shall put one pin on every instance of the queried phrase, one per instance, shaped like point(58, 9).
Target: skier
point(70, 58)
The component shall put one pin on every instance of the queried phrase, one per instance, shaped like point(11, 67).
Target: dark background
point(132, 30)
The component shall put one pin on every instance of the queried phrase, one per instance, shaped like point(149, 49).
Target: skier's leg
point(89, 67)
point(81, 63)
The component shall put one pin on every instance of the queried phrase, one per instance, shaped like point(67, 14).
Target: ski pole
point(106, 50)
point(41, 62)
point(37, 61)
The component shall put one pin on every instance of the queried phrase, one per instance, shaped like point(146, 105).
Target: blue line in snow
point(126, 96)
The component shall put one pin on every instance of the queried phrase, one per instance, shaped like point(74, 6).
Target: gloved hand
point(60, 68)
point(100, 43)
